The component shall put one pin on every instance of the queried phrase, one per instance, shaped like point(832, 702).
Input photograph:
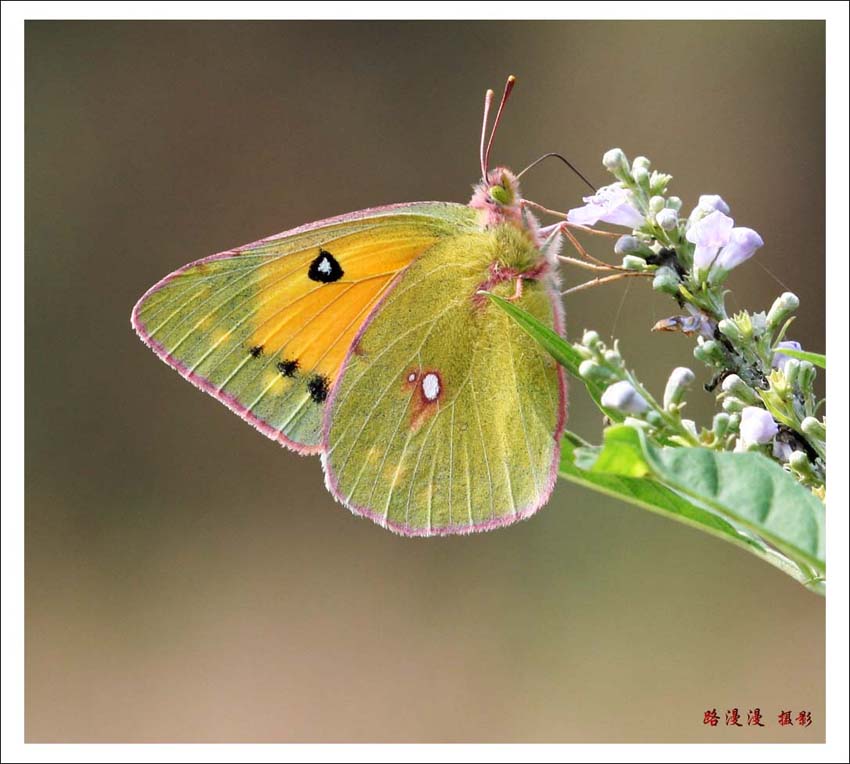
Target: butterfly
point(366, 338)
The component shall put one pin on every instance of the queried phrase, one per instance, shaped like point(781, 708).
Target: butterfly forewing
point(265, 327)
point(446, 418)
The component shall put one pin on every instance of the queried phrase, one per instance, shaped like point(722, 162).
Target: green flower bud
point(720, 425)
point(641, 163)
point(791, 371)
point(733, 385)
point(590, 339)
point(592, 371)
point(710, 352)
point(666, 280)
point(732, 405)
point(656, 204)
point(617, 163)
point(806, 376)
point(634, 263)
point(626, 245)
point(641, 177)
point(678, 382)
point(613, 357)
point(674, 203)
point(729, 329)
point(799, 463)
point(782, 309)
point(658, 182)
point(813, 428)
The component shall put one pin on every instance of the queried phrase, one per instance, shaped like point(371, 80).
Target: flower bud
point(678, 382)
point(729, 329)
point(734, 385)
point(732, 405)
point(674, 203)
point(791, 370)
point(782, 309)
point(626, 245)
point(617, 163)
point(621, 396)
point(590, 339)
point(656, 204)
point(712, 202)
point(720, 425)
point(640, 163)
point(591, 370)
point(634, 263)
point(658, 182)
point(667, 219)
point(666, 280)
point(806, 376)
point(641, 177)
point(813, 428)
point(654, 418)
point(710, 352)
point(799, 463)
point(613, 357)
point(757, 425)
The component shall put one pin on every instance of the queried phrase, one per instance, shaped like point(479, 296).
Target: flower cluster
point(765, 392)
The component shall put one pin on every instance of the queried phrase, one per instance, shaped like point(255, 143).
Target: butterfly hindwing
point(447, 418)
point(265, 327)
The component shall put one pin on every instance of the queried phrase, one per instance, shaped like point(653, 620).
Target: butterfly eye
point(500, 194)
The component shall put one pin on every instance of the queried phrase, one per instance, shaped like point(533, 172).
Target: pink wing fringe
point(332, 483)
point(204, 384)
point(274, 434)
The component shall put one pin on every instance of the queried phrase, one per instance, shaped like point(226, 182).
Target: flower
point(621, 396)
point(757, 426)
point(667, 219)
point(780, 359)
point(742, 245)
point(610, 204)
point(709, 234)
point(679, 381)
point(719, 245)
point(712, 202)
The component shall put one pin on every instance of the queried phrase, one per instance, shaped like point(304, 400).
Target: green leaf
point(745, 498)
point(561, 350)
point(818, 359)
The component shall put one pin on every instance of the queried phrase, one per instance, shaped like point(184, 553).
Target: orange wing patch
point(266, 329)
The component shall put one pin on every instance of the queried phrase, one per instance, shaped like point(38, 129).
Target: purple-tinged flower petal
point(621, 396)
point(712, 202)
point(757, 425)
point(743, 243)
point(780, 359)
point(709, 234)
point(610, 204)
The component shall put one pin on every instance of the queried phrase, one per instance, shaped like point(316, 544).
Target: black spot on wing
point(256, 351)
point(317, 386)
point(287, 367)
point(325, 268)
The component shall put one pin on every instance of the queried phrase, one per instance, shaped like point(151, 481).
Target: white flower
point(709, 234)
point(757, 426)
point(610, 204)
point(780, 359)
point(719, 245)
point(742, 245)
point(712, 202)
point(621, 396)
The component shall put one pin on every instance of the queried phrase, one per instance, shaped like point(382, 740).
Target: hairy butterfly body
point(366, 338)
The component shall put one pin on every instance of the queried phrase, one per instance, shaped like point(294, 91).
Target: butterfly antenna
point(564, 160)
point(488, 102)
point(485, 159)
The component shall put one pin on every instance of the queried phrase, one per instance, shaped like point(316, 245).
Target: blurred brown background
point(189, 580)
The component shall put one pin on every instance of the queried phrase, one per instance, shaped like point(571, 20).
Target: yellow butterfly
point(365, 338)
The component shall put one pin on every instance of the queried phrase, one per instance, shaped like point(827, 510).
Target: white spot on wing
point(411, 377)
point(324, 266)
point(431, 387)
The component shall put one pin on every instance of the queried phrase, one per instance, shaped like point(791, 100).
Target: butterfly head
point(498, 198)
